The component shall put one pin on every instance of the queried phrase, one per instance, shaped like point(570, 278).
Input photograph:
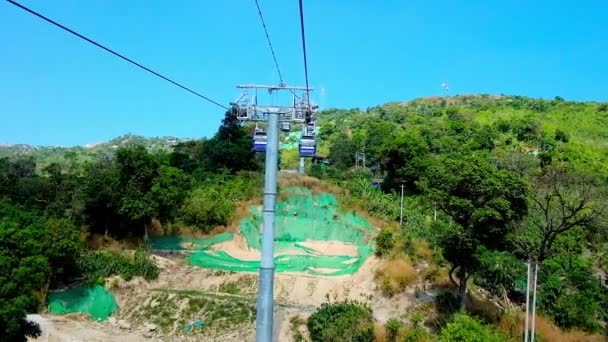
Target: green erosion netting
point(181, 242)
point(93, 300)
point(301, 217)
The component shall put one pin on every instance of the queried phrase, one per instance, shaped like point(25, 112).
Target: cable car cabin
point(259, 141)
point(285, 126)
point(308, 146)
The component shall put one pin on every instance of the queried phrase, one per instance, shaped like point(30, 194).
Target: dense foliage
point(341, 321)
point(97, 265)
point(50, 203)
point(466, 328)
point(492, 181)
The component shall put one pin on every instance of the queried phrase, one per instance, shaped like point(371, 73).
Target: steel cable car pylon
point(249, 110)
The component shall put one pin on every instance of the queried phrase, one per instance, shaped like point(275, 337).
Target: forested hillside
point(490, 182)
point(493, 181)
point(52, 207)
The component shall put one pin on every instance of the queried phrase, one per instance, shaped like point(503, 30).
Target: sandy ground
point(73, 328)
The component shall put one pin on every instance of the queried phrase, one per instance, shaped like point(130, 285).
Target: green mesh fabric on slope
point(176, 242)
point(301, 217)
point(93, 300)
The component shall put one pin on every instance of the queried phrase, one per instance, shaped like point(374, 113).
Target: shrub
point(388, 288)
point(384, 242)
point(466, 328)
point(393, 326)
point(207, 208)
point(416, 335)
point(498, 271)
point(102, 264)
point(561, 136)
point(342, 322)
point(417, 319)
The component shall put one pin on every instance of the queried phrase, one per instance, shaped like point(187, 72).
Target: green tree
point(169, 190)
point(63, 244)
point(25, 270)
point(465, 328)
point(562, 199)
point(405, 158)
point(342, 152)
point(342, 322)
point(102, 195)
point(230, 147)
point(207, 207)
point(137, 170)
point(482, 201)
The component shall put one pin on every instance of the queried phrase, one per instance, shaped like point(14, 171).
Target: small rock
point(112, 320)
point(154, 303)
point(150, 326)
point(148, 334)
point(124, 324)
point(171, 296)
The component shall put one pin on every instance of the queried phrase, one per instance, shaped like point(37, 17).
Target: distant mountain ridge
point(89, 151)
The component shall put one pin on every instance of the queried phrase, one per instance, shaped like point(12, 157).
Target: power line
point(115, 53)
point(274, 57)
point(304, 50)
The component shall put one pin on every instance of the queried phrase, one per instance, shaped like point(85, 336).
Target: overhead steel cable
point(274, 57)
point(115, 53)
point(304, 50)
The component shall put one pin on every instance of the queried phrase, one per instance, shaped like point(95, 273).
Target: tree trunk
point(462, 288)
point(146, 223)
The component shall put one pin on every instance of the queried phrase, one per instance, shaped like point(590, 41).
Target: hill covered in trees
point(493, 181)
point(490, 182)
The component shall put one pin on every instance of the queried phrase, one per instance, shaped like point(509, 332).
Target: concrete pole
point(265, 304)
point(301, 167)
point(527, 324)
point(401, 213)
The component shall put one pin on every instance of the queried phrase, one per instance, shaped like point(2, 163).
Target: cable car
point(259, 141)
point(307, 146)
point(285, 126)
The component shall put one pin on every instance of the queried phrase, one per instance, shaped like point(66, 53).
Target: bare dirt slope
point(223, 302)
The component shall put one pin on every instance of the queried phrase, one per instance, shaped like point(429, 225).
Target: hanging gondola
point(286, 126)
point(259, 141)
point(308, 146)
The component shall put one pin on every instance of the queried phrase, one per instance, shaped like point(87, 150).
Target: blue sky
point(56, 89)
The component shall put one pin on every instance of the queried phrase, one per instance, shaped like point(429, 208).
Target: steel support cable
point(274, 57)
point(304, 50)
point(115, 53)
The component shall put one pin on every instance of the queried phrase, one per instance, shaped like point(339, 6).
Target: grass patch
point(396, 275)
point(297, 322)
point(218, 312)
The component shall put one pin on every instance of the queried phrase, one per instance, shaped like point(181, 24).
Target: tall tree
point(406, 158)
point(230, 147)
point(137, 170)
point(482, 201)
point(562, 199)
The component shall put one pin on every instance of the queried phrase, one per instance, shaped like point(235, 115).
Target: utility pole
point(401, 214)
point(301, 166)
point(249, 110)
point(531, 314)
